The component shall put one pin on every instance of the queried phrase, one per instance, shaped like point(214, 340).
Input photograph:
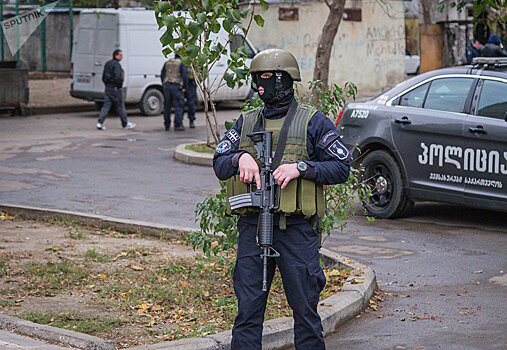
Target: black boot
point(192, 125)
point(179, 128)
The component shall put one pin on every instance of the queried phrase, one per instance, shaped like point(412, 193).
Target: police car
point(440, 136)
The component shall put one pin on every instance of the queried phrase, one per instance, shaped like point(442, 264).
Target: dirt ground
point(132, 289)
point(52, 92)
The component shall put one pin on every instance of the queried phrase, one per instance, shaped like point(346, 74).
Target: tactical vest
point(172, 71)
point(300, 196)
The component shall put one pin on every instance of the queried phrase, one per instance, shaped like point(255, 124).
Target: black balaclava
point(278, 91)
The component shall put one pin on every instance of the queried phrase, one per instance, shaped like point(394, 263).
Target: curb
point(60, 109)
point(101, 221)
point(191, 157)
point(54, 335)
point(277, 334)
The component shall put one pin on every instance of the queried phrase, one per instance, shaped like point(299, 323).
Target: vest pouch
point(321, 200)
point(288, 198)
point(306, 197)
point(235, 187)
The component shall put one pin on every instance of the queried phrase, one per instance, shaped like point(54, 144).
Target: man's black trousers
point(191, 96)
point(303, 280)
point(173, 96)
point(113, 97)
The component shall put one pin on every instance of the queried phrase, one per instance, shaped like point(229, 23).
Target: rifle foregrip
point(265, 229)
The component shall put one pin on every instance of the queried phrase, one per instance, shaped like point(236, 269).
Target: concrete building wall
point(370, 53)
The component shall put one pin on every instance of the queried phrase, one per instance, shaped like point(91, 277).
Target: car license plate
point(83, 79)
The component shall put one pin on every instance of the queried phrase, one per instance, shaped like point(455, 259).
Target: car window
point(448, 94)
point(237, 40)
point(415, 98)
point(493, 100)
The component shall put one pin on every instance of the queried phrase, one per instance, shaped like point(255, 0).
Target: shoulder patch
point(328, 138)
point(338, 150)
point(223, 146)
point(233, 136)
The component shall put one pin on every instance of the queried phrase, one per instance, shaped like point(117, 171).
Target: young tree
point(191, 28)
point(323, 54)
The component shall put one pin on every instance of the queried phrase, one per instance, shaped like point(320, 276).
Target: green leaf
point(215, 27)
point(228, 25)
point(264, 4)
point(192, 50)
point(167, 51)
point(185, 60)
point(259, 20)
point(163, 6)
point(194, 28)
point(167, 37)
point(155, 7)
point(229, 124)
point(233, 15)
point(202, 58)
point(245, 12)
point(201, 17)
point(219, 9)
point(207, 5)
point(229, 79)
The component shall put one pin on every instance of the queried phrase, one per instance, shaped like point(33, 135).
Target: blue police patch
point(223, 146)
point(338, 150)
point(233, 135)
point(329, 137)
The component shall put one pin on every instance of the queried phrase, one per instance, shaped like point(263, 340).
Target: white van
point(134, 31)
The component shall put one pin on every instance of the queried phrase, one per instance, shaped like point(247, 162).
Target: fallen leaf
point(54, 249)
point(356, 281)
point(120, 255)
point(135, 267)
point(325, 304)
point(184, 284)
point(478, 271)
point(103, 277)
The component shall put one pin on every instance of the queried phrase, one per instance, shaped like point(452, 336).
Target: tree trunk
point(323, 55)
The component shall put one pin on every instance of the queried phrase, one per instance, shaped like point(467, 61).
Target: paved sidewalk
point(13, 341)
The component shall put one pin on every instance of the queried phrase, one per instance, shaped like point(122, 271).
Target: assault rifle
point(263, 198)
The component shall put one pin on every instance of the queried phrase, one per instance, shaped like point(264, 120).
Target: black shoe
point(179, 128)
point(192, 125)
point(167, 128)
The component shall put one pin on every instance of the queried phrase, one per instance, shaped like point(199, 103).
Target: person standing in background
point(113, 76)
point(493, 48)
point(191, 97)
point(174, 78)
point(473, 50)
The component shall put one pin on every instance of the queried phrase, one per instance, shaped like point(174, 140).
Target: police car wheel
point(388, 198)
point(152, 102)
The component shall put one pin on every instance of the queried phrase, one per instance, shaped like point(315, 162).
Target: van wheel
point(152, 102)
point(388, 198)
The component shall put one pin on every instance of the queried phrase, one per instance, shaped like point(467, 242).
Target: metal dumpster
point(14, 86)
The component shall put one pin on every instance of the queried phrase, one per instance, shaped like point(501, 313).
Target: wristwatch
point(302, 166)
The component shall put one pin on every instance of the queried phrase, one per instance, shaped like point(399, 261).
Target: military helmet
point(276, 59)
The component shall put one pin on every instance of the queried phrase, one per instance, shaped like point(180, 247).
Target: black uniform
point(112, 76)
point(298, 245)
point(173, 95)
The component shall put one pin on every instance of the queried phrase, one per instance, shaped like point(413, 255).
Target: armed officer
point(174, 78)
point(313, 156)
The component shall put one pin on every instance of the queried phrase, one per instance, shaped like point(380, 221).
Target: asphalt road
point(442, 271)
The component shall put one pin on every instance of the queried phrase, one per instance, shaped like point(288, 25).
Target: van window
point(107, 42)
point(237, 40)
point(415, 98)
point(493, 100)
point(448, 94)
point(85, 41)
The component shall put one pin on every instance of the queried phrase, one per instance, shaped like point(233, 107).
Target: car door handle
point(403, 120)
point(479, 130)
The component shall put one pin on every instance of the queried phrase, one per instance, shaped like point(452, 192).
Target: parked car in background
point(412, 63)
point(440, 136)
point(135, 31)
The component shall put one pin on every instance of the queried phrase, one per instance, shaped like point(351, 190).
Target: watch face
point(302, 166)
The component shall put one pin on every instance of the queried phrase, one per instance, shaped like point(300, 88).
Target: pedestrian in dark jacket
point(174, 78)
point(493, 48)
point(473, 50)
point(113, 76)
